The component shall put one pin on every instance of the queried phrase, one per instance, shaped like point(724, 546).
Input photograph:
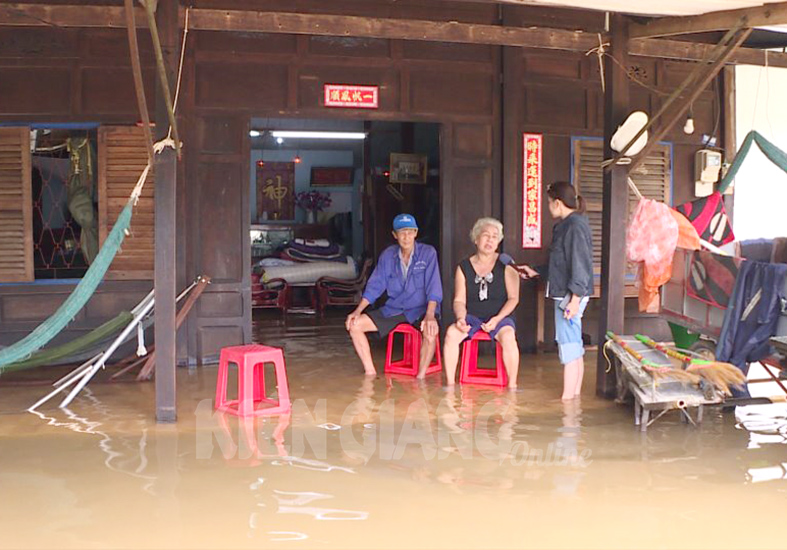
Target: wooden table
point(658, 396)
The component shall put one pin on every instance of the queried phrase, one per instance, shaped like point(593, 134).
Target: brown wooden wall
point(57, 76)
point(559, 94)
point(239, 77)
point(62, 75)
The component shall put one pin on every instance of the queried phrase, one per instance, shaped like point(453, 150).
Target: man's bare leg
point(428, 345)
point(358, 332)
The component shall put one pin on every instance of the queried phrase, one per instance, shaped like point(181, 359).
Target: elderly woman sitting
point(485, 295)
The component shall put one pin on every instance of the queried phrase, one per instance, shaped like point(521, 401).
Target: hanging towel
point(651, 240)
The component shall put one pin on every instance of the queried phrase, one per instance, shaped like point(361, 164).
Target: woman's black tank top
point(496, 294)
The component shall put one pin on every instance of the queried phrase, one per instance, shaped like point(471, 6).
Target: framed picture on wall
point(407, 168)
point(276, 190)
point(330, 176)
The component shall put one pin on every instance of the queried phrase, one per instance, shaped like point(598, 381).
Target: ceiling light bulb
point(279, 140)
point(688, 128)
point(254, 133)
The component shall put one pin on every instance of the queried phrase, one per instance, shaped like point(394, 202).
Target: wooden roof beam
point(761, 16)
point(46, 15)
point(27, 15)
point(398, 29)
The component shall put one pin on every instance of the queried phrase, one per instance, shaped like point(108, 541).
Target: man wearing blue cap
point(408, 272)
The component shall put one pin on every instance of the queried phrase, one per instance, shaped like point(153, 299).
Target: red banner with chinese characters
point(354, 97)
point(531, 191)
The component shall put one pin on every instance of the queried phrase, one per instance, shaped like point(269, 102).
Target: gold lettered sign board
point(276, 190)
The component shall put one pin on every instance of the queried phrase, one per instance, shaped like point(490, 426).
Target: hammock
point(774, 154)
point(47, 330)
point(78, 349)
point(43, 333)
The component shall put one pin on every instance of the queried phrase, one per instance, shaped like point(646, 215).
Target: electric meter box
point(707, 166)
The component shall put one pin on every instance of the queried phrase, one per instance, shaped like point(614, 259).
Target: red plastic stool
point(411, 356)
point(471, 374)
point(251, 381)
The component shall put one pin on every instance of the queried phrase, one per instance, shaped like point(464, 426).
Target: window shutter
point(653, 178)
point(589, 182)
point(121, 159)
point(16, 206)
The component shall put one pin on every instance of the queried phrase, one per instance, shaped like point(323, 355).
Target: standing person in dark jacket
point(569, 279)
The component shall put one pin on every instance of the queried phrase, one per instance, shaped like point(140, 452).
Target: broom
point(656, 371)
point(721, 375)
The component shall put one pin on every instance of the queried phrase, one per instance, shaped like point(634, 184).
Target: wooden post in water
point(615, 202)
point(165, 224)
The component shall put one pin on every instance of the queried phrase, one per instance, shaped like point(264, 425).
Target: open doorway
point(403, 174)
point(341, 181)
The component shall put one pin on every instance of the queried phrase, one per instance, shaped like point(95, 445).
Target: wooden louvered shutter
point(653, 178)
point(16, 206)
point(588, 180)
point(121, 159)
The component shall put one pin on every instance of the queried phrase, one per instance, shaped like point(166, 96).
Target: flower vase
point(311, 216)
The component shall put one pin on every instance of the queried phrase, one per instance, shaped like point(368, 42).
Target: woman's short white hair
point(479, 225)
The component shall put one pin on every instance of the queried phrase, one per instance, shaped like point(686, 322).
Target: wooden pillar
point(512, 199)
point(615, 207)
point(730, 139)
point(165, 225)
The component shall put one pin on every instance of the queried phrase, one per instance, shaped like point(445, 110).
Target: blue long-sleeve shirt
point(408, 296)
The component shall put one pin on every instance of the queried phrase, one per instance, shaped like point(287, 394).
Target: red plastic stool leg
point(471, 374)
point(221, 383)
point(411, 350)
point(282, 387)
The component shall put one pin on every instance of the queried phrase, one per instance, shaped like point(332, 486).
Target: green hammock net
point(774, 154)
point(50, 328)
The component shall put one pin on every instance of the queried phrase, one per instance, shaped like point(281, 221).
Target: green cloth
point(77, 345)
point(81, 184)
point(50, 328)
point(774, 154)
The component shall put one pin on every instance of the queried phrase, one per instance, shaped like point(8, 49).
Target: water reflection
point(294, 502)
point(566, 480)
point(253, 442)
point(124, 454)
point(766, 426)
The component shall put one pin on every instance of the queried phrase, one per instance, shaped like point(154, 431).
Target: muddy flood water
point(383, 463)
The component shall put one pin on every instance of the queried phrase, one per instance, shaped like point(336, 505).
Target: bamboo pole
point(147, 368)
point(162, 72)
point(694, 75)
point(681, 110)
point(136, 70)
point(83, 380)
